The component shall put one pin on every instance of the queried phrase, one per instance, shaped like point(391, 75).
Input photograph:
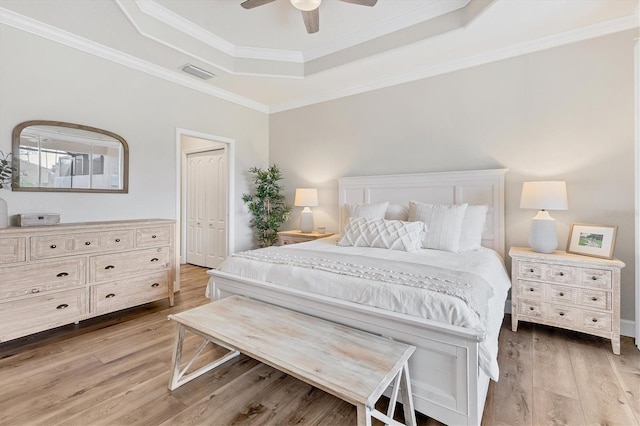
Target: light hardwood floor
point(114, 370)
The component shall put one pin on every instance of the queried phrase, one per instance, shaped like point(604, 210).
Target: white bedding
point(409, 300)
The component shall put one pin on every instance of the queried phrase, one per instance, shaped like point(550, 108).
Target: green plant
point(266, 204)
point(6, 170)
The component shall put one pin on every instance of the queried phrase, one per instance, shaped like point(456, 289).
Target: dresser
point(297, 236)
point(56, 275)
point(575, 292)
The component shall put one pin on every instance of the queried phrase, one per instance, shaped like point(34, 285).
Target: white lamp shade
point(306, 5)
point(544, 195)
point(306, 197)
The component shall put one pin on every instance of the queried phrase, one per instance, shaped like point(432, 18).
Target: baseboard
point(627, 327)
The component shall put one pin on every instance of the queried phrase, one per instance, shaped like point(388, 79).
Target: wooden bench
point(350, 364)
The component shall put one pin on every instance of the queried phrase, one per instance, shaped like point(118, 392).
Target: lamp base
point(543, 237)
point(306, 220)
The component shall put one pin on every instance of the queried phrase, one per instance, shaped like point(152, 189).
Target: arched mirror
point(67, 157)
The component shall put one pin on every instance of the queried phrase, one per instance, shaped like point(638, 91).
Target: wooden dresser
point(575, 292)
point(56, 275)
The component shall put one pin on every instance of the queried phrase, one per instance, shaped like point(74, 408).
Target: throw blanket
point(472, 289)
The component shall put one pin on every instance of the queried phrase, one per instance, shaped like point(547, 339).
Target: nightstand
point(296, 236)
point(564, 290)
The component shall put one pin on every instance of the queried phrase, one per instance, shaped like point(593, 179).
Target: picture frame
point(592, 240)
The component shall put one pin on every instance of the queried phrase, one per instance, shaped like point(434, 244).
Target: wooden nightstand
point(575, 292)
point(296, 236)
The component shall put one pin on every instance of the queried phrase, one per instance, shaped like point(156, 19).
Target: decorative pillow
point(444, 223)
point(371, 211)
point(390, 234)
point(473, 227)
point(397, 212)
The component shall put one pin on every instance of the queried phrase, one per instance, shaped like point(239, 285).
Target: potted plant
point(266, 204)
point(6, 179)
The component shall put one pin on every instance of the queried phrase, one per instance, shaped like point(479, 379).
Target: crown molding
point(57, 35)
point(573, 36)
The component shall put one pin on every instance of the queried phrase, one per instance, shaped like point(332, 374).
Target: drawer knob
point(117, 240)
point(35, 290)
point(155, 259)
point(109, 267)
point(87, 243)
point(531, 270)
point(561, 294)
point(62, 274)
point(109, 296)
point(531, 289)
point(594, 278)
point(531, 308)
point(594, 319)
point(63, 306)
point(53, 246)
point(562, 274)
point(154, 285)
point(561, 314)
point(594, 299)
point(153, 236)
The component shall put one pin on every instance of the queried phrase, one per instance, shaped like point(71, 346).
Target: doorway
point(206, 208)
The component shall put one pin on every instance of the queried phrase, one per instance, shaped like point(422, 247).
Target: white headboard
point(473, 187)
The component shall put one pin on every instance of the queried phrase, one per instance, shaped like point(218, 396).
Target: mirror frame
point(16, 150)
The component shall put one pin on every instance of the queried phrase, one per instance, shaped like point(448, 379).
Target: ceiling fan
point(308, 8)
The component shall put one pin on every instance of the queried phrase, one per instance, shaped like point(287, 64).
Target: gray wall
point(40, 79)
point(562, 114)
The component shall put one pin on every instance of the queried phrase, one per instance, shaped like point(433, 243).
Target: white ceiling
point(264, 59)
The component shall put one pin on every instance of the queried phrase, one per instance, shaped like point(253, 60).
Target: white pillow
point(444, 223)
point(371, 211)
point(397, 212)
point(473, 227)
point(390, 234)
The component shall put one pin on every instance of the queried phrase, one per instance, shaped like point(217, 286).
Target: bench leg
point(178, 376)
point(407, 397)
point(364, 415)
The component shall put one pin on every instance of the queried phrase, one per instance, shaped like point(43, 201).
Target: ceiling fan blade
point(369, 3)
point(250, 4)
point(311, 20)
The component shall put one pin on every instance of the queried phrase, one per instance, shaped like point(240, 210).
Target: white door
point(206, 208)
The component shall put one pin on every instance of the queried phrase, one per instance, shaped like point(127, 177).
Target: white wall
point(40, 79)
point(564, 113)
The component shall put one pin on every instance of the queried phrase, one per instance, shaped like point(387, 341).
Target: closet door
point(206, 208)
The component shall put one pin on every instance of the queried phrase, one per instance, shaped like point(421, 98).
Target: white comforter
point(409, 300)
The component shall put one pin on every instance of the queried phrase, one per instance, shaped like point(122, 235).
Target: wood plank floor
point(114, 370)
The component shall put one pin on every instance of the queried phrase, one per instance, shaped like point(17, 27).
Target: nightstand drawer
point(562, 314)
point(596, 320)
point(530, 289)
point(561, 274)
point(530, 270)
point(597, 278)
point(562, 294)
point(530, 308)
point(595, 298)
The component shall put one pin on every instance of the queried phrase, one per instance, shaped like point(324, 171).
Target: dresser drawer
point(596, 320)
point(153, 236)
point(118, 295)
point(12, 250)
point(113, 266)
point(596, 278)
point(595, 298)
point(42, 312)
point(117, 240)
point(562, 314)
point(561, 274)
point(530, 289)
point(530, 308)
point(561, 294)
point(43, 247)
point(42, 277)
point(530, 270)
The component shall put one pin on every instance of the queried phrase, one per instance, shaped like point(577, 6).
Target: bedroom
point(565, 112)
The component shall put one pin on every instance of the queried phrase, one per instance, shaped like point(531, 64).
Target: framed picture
point(592, 240)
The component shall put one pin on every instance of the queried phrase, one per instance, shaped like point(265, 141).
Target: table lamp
point(306, 197)
point(543, 196)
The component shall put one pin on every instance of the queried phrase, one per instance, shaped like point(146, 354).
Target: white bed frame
point(447, 382)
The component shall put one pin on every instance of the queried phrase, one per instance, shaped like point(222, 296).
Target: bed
point(455, 357)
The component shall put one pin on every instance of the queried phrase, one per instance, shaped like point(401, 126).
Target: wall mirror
point(67, 157)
